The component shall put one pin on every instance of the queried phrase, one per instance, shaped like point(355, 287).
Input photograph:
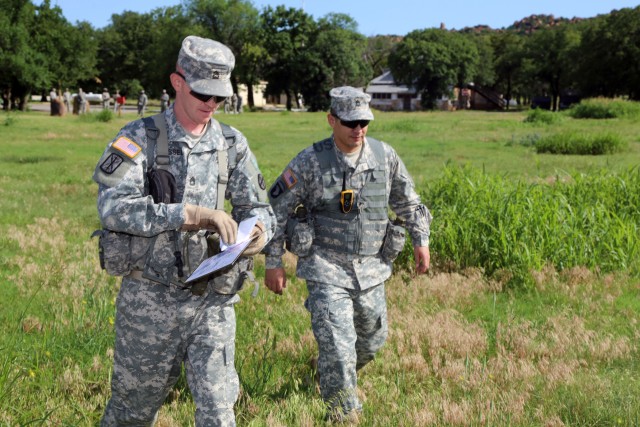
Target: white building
point(386, 95)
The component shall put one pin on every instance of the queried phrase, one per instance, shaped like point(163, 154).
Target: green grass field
point(468, 345)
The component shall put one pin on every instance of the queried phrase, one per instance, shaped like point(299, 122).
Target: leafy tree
point(551, 53)
point(433, 60)
point(236, 23)
point(169, 28)
point(508, 51)
point(378, 50)
point(609, 55)
point(125, 51)
point(40, 50)
point(286, 35)
point(334, 57)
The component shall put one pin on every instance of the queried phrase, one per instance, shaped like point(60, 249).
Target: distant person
point(55, 103)
point(234, 103)
point(115, 101)
point(164, 101)
point(82, 101)
point(106, 99)
point(465, 98)
point(120, 101)
point(227, 105)
point(142, 103)
point(66, 97)
point(239, 104)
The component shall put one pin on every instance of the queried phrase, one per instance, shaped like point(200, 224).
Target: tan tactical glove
point(199, 218)
point(258, 243)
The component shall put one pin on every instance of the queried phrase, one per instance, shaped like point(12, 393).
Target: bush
point(574, 143)
point(104, 116)
point(510, 228)
point(538, 115)
point(604, 108)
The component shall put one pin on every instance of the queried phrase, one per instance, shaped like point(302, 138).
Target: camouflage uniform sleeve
point(405, 201)
point(294, 186)
point(247, 190)
point(122, 201)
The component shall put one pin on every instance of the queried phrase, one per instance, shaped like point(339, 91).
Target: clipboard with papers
point(229, 253)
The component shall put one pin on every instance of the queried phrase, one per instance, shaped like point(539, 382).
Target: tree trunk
point(250, 101)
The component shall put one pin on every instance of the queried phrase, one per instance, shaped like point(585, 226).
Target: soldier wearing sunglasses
point(164, 322)
point(331, 203)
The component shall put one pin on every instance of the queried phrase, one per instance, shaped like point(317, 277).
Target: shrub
point(604, 108)
point(538, 115)
point(584, 144)
point(511, 228)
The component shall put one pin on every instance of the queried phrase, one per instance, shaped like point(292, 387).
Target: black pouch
point(393, 244)
point(162, 186)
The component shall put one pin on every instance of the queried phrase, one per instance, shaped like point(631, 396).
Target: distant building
point(386, 95)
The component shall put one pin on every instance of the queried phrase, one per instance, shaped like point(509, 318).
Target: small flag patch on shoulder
point(127, 147)
point(289, 178)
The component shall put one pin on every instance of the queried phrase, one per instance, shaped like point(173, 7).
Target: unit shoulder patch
point(111, 163)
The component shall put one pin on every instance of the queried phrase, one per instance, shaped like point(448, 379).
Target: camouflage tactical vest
point(360, 231)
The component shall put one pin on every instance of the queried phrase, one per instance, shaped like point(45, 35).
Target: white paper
point(244, 231)
point(228, 254)
point(219, 261)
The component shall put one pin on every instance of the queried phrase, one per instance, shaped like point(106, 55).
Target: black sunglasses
point(202, 97)
point(353, 123)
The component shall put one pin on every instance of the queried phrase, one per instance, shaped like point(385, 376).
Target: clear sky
point(374, 17)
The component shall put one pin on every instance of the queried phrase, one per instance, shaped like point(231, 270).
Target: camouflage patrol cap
point(349, 103)
point(207, 66)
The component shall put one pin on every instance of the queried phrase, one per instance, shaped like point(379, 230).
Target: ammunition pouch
point(393, 243)
point(299, 236)
point(115, 251)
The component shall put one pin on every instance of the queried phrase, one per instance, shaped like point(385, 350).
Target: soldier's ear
point(176, 81)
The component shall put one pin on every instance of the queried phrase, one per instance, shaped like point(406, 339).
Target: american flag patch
point(289, 178)
point(127, 147)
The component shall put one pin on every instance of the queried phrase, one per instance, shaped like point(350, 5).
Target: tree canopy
point(299, 55)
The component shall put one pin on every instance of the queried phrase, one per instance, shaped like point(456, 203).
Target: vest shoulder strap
point(157, 135)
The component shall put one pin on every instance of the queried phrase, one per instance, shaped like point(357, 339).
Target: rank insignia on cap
point(127, 147)
point(215, 74)
point(111, 163)
point(289, 178)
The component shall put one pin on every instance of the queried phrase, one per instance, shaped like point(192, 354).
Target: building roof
point(385, 83)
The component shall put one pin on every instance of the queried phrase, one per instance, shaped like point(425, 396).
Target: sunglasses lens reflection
point(354, 124)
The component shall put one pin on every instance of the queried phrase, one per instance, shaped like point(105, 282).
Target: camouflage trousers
point(350, 326)
point(158, 329)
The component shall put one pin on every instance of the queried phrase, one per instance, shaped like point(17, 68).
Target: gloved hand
point(258, 243)
point(200, 218)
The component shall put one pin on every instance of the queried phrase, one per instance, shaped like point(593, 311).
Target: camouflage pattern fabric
point(159, 323)
point(207, 66)
point(350, 327)
point(349, 103)
point(346, 291)
point(158, 328)
point(301, 182)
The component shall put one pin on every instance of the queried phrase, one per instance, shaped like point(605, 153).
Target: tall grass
point(512, 228)
point(605, 108)
point(580, 143)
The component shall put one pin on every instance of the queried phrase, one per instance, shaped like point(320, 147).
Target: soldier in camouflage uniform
point(346, 182)
point(162, 322)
